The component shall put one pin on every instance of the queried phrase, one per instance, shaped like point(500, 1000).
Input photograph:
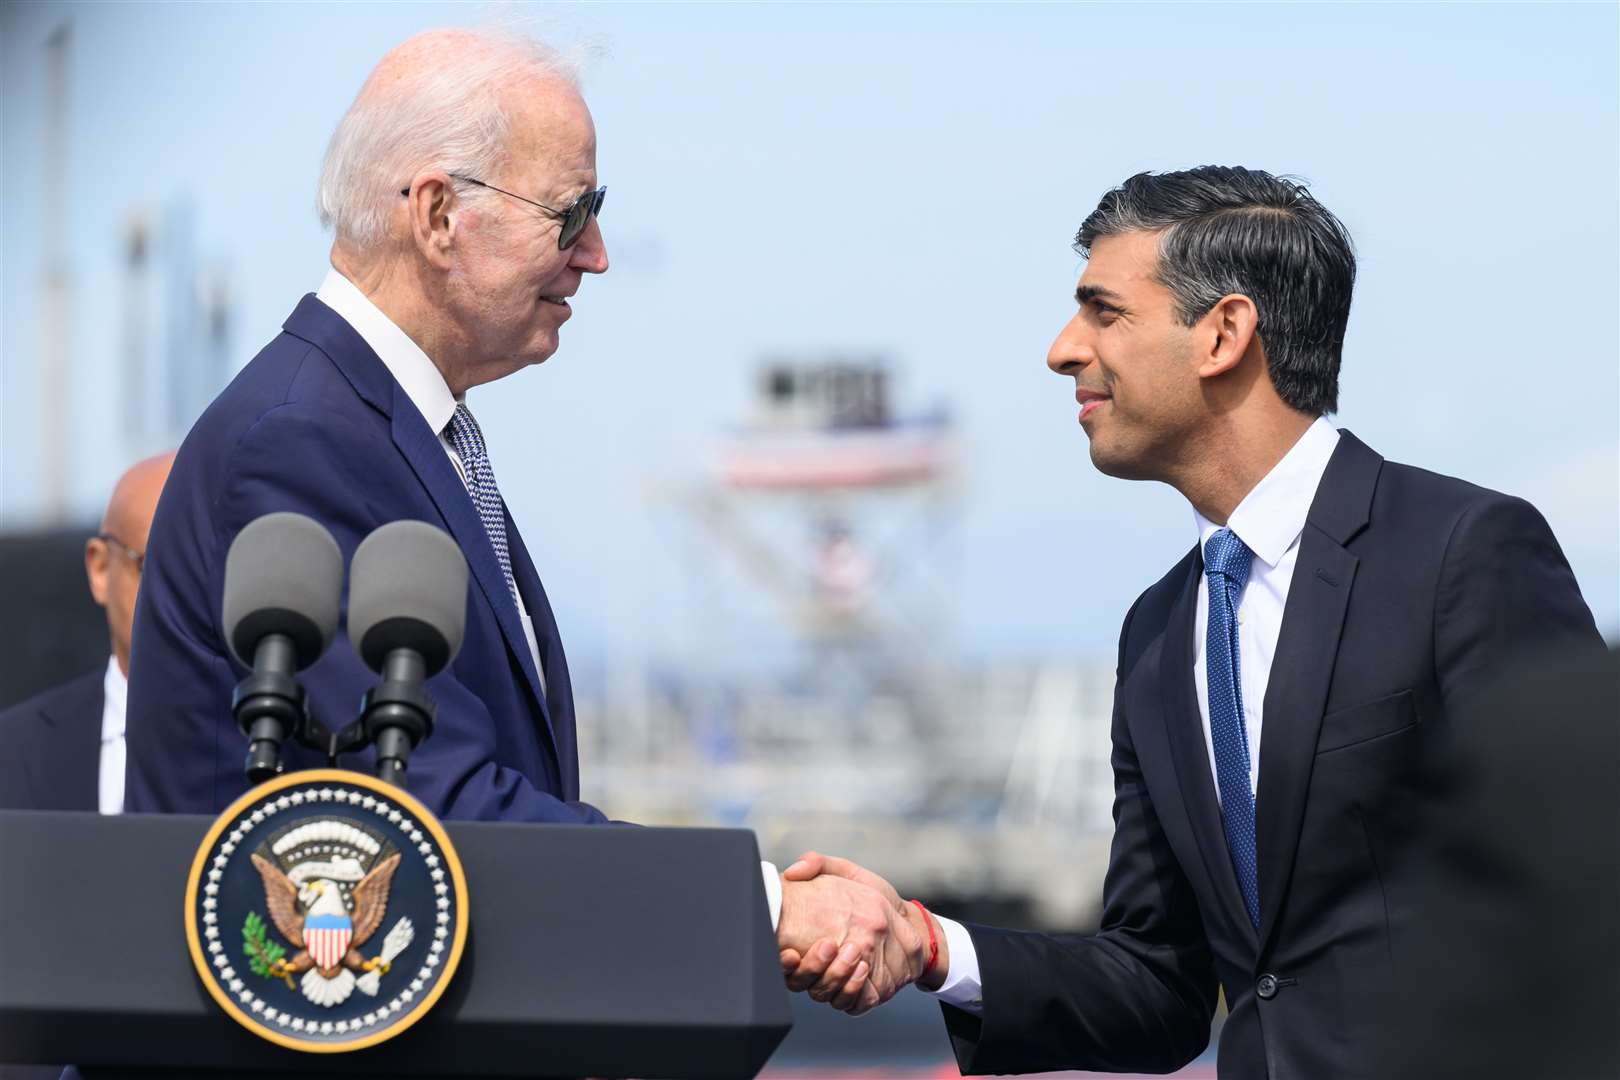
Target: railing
point(1001, 795)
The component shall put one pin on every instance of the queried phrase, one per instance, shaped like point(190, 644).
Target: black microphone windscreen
point(283, 575)
point(408, 589)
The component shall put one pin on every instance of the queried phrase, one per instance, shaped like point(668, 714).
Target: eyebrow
point(1085, 294)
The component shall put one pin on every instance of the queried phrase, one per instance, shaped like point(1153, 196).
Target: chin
point(538, 352)
point(1112, 461)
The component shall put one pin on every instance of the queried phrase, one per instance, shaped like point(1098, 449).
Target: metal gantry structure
point(867, 734)
point(841, 511)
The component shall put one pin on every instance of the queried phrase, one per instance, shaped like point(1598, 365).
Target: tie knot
point(464, 431)
point(1228, 556)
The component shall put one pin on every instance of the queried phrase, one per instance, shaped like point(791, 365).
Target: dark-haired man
point(1279, 690)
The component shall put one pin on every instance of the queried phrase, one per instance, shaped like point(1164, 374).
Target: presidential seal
point(326, 910)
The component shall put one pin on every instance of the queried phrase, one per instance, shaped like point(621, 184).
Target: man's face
point(115, 580)
point(1132, 361)
point(113, 565)
point(510, 282)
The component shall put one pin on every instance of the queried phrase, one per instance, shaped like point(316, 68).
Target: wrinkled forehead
point(552, 134)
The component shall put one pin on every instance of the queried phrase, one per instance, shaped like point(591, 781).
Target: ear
point(1225, 333)
point(96, 568)
point(429, 202)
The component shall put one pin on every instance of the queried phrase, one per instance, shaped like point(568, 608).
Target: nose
point(589, 253)
point(1072, 350)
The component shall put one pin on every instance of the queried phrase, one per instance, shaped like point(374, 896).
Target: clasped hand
point(847, 938)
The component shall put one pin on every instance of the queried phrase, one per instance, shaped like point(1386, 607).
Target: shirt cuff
point(773, 892)
point(961, 987)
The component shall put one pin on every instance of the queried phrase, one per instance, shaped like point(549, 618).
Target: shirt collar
point(406, 362)
point(114, 688)
point(1272, 515)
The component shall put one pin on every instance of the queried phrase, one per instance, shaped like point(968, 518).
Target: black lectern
point(593, 951)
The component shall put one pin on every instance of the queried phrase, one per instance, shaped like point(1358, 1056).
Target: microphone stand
point(397, 713)
point(269, 705)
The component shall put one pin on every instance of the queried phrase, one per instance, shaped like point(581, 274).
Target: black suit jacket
point(50, 748)
point(1409, 589)
point(1531, 807)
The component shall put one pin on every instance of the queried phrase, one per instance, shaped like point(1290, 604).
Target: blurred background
point(819, 527)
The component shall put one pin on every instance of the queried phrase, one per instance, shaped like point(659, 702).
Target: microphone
point(407, 614)
point(283, 580)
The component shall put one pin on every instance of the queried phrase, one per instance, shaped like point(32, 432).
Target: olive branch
point(262, 953)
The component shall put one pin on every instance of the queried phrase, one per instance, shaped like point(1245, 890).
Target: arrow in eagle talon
point(398, 939)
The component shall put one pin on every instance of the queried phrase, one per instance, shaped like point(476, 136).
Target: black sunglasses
point(574, 219)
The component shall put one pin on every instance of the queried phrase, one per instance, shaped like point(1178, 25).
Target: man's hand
point(861, 946)
point(837, 976)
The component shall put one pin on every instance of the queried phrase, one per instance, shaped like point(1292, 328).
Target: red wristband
point(933, 942)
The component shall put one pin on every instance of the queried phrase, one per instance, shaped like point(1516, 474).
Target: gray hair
point(1227, 230)
point(436, 115)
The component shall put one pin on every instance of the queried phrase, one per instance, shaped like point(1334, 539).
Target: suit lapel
point(426, 455)
point(559, 691)
point(318, 324)
point(1184, 725)
point(1302, 667)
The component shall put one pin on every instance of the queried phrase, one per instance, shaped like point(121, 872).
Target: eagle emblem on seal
point(326, 886)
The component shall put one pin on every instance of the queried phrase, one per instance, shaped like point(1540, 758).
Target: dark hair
point(1234, 230)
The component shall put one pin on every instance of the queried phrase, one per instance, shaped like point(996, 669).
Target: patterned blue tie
point(469, 443)
point(1226, 564)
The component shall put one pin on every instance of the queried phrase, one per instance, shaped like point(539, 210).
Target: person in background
point(64, 747)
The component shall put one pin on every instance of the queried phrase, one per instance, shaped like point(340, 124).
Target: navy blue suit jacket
point(1411, 591)
point(50, 747)
point(316, 424)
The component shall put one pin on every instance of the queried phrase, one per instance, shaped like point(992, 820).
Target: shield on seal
point(327, 938)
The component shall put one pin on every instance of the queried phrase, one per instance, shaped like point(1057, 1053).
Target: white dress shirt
point(424, 385)
point(110, 780)
point(1269, 521)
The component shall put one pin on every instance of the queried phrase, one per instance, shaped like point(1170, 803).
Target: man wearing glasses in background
point(461, 187)
point(65, 746)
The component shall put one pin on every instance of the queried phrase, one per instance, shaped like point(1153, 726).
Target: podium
point(609, 951)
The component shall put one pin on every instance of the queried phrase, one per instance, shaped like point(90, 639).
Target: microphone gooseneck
point(269, 705)
point(398, 713)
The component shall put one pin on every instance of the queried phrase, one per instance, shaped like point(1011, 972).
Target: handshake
point(850, 940)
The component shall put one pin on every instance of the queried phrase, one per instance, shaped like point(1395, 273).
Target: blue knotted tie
point(469, 443)
point(1226, 564)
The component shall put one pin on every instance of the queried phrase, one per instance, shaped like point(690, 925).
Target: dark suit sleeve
point(1506, 596)
point(1136, 997)
point(291, 460)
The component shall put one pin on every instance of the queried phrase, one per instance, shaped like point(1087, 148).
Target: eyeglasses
point(574, 219)
point(136, 557)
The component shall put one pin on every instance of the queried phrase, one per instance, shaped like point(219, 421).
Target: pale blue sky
point(906, 178)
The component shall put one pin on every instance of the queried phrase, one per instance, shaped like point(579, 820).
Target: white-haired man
point(462, 190)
